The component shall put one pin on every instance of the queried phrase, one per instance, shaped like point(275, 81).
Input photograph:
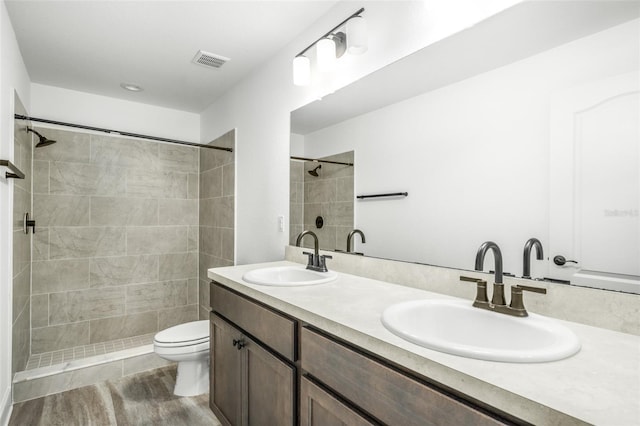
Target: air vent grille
point(210, 60)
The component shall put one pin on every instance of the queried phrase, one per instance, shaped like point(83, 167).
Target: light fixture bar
point(331, 31)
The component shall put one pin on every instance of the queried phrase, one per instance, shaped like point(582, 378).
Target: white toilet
point(188, 345)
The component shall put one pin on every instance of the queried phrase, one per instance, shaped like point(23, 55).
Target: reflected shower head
point(314, 172)
point(43, 140)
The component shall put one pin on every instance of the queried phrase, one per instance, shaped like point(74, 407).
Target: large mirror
point(524, 126)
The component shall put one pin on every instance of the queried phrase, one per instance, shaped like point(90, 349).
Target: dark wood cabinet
point(225, 372)
point(251, 382)
point(382, 391)
point(268, 369)
point(319, 408)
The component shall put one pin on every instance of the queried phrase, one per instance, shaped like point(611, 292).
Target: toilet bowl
point(188, 345)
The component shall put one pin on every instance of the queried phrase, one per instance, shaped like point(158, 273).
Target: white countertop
point(599, 385)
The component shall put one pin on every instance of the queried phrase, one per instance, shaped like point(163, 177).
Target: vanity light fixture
point(331, 46)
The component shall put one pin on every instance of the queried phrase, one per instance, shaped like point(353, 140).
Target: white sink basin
point(456, 327)
point(288, 276)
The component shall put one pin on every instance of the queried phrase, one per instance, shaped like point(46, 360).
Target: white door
point(595, 184)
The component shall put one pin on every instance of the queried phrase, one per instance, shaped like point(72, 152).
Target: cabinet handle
point(239, 343)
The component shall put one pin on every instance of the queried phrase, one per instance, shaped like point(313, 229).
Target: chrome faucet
point(316, 262)
point(498, 303)
point(498, 287)
point(526, 260)
point(350, 239)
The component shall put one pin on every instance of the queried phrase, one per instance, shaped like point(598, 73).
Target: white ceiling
point(93, 46)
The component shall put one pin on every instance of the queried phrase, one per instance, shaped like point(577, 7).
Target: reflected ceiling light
point(357, 43)
point(326, 54)
point(131, 87)
point(331, 46)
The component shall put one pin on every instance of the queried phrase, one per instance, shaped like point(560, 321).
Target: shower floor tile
point(47, 359)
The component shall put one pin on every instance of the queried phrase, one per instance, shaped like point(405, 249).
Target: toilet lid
point(187, 332)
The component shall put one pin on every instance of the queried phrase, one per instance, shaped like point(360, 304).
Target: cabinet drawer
point(271, 328)
point(385, 393)
point(319, 408)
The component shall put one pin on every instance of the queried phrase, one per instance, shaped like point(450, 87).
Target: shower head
point(314, 172)
point(43, 140)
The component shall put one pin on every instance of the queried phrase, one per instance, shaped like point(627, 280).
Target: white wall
point(259, 107)
point(13, 77)
point(55, 103)
point(474, 156)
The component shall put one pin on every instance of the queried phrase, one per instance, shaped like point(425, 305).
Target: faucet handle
point(481, 290)
point(323, 262)
point(312, 256)
point(517, 303)
point(532, 289)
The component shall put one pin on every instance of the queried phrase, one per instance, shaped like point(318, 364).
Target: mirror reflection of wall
point(473, 155)
point(322, 200)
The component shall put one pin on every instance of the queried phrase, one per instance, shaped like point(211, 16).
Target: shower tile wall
point(115, 252)
point(217, 223)
point(296, 201)
point(331, 196)
point(21, 244)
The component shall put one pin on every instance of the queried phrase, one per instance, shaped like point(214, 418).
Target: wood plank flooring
point(142, 399)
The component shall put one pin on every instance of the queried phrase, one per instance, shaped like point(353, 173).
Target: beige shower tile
point(120, 270)
point(345, 189)
point(21, 288)
point(320, 191)
point(178, 212)
point(228, 179)
point(194, 232)
point(211, 240)
point(157, 240)
point(86, 179)
point(83, 305)
point(61, 210)
point(157, 183)
point(40, 310)
point(58, 337)
point(212, 158)
point(82, 242)
point(193, 184)
point(177, 157)
point(223, 212)
point(192, 291)
point(40, 244)
point(40, 177)
point(179, 315)
point(154, 296)
point(106, 329)
point(338, 214)
point(124, 211)
point(207, 214)
point(227, 244)
point(178, 265)
point(59, 275)
point(211, 183)
point(20, 341)
point(123, 152)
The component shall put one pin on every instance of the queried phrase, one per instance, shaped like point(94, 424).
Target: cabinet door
point(269, 383)
point(319, 408)
point(226, 372)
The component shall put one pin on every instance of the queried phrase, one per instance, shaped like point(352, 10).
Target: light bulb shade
point(326, 51)
point(357, 42)
point(301, 71)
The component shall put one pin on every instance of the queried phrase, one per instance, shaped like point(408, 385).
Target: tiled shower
point(329, 195)
point(119, 227)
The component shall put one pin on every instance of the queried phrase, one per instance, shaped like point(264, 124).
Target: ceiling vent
point(210, 60)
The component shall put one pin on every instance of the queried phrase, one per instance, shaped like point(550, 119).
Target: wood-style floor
point(142, 399)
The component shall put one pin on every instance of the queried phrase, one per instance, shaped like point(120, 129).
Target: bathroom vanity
point(320, 355)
